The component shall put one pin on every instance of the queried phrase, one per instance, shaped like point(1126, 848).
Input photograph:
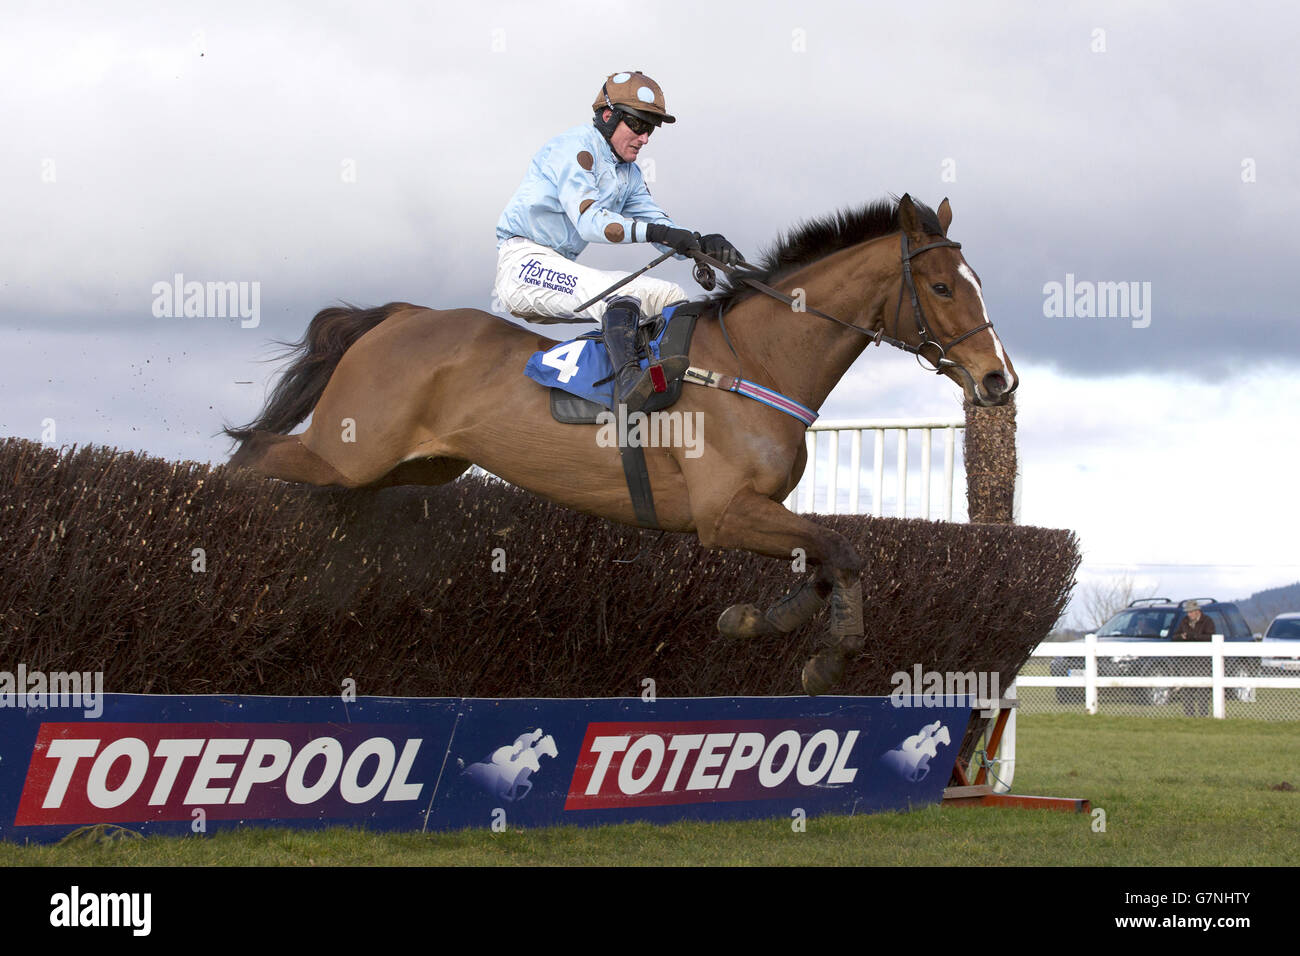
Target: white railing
point(1090, 649)
point(804, 497)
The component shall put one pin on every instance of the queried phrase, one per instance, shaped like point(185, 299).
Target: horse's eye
point(941, 289)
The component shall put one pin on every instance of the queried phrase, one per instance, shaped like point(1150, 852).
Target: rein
point(704, 266)
point(908, 284)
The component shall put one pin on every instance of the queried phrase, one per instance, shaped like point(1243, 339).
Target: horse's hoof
point(852, 644)
point(823, 672)
point(744, 620)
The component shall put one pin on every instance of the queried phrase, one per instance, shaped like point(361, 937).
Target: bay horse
point(408, 395)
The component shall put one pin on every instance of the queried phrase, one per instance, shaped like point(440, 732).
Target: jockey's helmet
point(633, 92)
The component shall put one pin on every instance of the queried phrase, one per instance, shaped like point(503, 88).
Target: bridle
point(907, 285)
point(923, 329)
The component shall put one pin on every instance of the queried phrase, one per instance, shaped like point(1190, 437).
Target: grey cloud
point(1115, 166)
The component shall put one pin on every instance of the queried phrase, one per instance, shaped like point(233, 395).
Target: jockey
point(584, 186)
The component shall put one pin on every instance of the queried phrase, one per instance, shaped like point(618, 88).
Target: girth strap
point(638, 484)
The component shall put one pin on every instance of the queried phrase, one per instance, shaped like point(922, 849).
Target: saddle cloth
point(581, 377)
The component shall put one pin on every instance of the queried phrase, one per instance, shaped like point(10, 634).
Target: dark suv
point(1157, 619)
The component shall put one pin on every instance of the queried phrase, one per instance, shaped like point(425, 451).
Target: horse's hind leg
point(286, 458)
point(755, 523)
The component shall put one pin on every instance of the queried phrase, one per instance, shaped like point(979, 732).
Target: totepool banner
point(180, 765)
point(192, 764)
point(590, 762)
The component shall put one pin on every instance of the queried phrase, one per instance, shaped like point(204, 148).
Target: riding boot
point(632, 385)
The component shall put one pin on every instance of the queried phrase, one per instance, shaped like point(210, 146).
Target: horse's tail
point(331, 333)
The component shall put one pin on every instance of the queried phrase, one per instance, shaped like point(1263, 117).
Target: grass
point(1175, 791)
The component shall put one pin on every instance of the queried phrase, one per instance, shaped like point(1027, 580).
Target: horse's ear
point(907, 217)
point(945, 215)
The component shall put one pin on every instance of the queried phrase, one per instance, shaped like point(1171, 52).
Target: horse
point(402, 394)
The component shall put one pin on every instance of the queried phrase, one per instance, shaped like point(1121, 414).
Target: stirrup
point(633, 386)
point(635, 393)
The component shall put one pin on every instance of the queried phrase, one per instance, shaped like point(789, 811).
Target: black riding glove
point(719, 248)
point(681, 241)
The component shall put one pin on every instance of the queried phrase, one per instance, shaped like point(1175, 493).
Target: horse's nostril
point(995, 383)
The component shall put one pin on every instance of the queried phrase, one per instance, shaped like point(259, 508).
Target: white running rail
point(805, 496)
point(1241, 685)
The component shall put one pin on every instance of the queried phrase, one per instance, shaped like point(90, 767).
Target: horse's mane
point(818, 238)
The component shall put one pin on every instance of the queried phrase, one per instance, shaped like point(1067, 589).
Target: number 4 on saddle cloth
point(581, 376)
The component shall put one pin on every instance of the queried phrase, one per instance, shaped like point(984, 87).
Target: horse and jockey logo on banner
point(911, 759)
point(504, 773)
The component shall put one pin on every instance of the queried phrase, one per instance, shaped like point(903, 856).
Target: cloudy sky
point(341, 151)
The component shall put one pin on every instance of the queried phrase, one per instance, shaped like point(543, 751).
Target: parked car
point(1152, 620)
point(1283, 628)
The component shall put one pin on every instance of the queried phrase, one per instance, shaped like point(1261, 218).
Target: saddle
point(581, 379)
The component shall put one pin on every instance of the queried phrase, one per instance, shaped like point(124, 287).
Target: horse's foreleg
point(789, 614)
point(755, 523)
